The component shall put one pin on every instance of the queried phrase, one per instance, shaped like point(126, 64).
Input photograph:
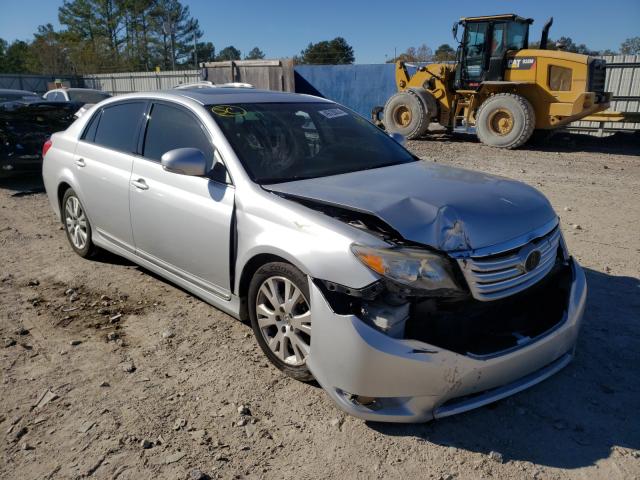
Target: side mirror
point(454, 31)
point(398, 137)
point(185, 161)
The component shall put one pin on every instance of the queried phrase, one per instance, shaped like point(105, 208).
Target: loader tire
point(404, 113)
point(505, 120)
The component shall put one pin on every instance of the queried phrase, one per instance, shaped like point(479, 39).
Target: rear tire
point(405, 113)
point(280, 314)
point(505, 120)
point(76, 225)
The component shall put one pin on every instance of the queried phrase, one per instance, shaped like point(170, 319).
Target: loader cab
point(483, 47)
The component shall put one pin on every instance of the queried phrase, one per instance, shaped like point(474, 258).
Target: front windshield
point(281, 142)
point(87, 96)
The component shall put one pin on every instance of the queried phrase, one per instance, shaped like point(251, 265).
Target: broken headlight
point(410, 267)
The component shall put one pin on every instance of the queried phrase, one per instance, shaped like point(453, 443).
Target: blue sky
point(374, 28)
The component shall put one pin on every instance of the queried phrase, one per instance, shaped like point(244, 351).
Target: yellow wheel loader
point(498, 88)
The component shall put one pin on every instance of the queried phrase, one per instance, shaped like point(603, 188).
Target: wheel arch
point(63, 186)
point(250, 267)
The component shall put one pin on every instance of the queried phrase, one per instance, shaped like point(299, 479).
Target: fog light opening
point(368, 402)
point(372, 403)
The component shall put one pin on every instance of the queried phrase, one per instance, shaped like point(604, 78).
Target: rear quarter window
point(118, 126)
point(89, 134)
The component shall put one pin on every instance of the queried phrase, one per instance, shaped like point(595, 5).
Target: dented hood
point(447, 208)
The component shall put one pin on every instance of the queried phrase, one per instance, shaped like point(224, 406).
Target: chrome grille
point(500, 276)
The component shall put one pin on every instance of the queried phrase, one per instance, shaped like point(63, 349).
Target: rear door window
point(118, 126)
point(173, 127)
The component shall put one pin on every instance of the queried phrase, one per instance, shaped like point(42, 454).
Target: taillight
point(46, 147)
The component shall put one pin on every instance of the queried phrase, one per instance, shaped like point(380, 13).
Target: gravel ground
point(108, 371)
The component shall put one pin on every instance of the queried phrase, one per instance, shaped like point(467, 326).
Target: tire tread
point(529, 120)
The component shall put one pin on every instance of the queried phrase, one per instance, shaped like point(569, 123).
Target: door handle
point(80, 162)
point(140, 183)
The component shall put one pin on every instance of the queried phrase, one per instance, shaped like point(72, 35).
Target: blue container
point(359, 87)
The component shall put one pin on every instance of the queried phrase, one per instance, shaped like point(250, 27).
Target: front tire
point(404, 113)
point(505, 120)
point(280, 314)
point(76, 225)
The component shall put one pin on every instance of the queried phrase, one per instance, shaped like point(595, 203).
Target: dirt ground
point(110, 372)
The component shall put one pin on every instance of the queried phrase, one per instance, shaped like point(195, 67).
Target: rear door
point(181, 223)
point(103, 163)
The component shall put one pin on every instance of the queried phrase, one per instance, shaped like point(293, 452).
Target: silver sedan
point(407, 290)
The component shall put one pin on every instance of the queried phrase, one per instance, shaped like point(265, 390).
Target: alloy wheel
point(76, 222)
point(284, 319)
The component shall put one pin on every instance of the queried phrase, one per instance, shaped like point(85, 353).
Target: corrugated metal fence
point(36, 83)
point(119, 83)
point(623, 81)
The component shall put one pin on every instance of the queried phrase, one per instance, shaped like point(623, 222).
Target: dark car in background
point(26, 121)
point(76, 95)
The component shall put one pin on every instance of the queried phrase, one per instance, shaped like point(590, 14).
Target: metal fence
point(36, 83)
point(623, 81)
point(119, 83)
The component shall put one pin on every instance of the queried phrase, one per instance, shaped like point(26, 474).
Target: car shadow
point(578, 416)
point(619, 143)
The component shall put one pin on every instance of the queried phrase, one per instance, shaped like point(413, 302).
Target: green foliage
point(228, 53)
point(327, 52)
point(420, 54)
point(444, 53)
point(255, 54)
point(111, 35)
point(568, 45)
point(15, 57)
point(631, 46)
point(206, 52)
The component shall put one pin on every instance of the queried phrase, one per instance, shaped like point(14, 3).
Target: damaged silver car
point(408, 290)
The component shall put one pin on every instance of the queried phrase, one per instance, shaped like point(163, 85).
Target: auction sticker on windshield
point(333, 113)
point(228, 111)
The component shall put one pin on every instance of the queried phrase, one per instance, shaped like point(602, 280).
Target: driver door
point(181, 223)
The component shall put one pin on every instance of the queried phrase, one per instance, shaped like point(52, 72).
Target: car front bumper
point(411, 381)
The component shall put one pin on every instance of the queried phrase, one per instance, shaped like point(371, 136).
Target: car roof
point(222, 95)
